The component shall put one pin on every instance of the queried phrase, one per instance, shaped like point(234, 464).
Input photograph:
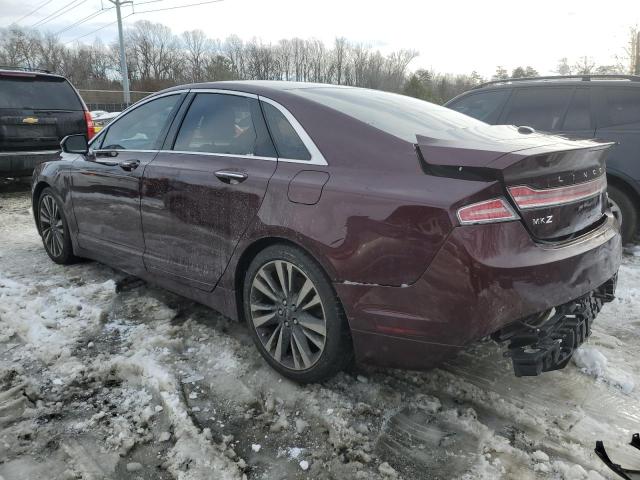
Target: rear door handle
point(231, 176)
point(129, 165)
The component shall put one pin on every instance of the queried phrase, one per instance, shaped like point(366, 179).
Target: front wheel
point(54, 229)
point(624, 210)
point(294, 315)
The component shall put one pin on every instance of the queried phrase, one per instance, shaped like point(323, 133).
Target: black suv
point(37, 109)
point(605, 107)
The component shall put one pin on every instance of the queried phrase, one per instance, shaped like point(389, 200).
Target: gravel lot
point(147, 385)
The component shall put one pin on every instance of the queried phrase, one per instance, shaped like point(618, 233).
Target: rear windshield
point(398, 115)
point(37, 93)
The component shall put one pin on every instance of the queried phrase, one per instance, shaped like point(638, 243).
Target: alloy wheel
point(51, 225)
point(288, 315)
point(615, 210)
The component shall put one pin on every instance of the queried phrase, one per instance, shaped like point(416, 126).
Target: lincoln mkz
point(344, 223)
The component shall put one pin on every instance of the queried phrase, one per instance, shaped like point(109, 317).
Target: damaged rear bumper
point(547, 342)
point(483, 279)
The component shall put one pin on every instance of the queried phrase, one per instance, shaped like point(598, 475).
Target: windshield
point(38, 93)
point(398, 115)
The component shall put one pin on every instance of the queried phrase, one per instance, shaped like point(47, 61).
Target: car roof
point(26, 72)
point(257, 87)
point(570, 80)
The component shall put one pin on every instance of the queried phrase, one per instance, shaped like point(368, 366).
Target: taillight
point(91, 129)
point(527, 197)
point(489, 211)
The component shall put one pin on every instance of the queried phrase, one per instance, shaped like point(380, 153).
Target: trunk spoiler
point(484, 153)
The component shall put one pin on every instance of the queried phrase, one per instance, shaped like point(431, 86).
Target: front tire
point(624, 210)
point(54, 228)
point(294, 315)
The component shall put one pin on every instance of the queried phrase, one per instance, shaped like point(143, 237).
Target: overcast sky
point(455, 36)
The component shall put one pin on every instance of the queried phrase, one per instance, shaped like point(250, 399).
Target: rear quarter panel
point(380, 219)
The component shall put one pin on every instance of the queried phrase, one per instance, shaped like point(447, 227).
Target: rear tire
point(54, 228)
point(624, 209)
point(294, 316)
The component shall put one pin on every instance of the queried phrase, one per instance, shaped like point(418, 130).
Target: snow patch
point(592, 361)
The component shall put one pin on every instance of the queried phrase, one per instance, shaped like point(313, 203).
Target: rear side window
point(485, 106)
point(395, 114)
point(287, 141)
point(622, 107)
point(37, 93)
point(540, 108)
point(140, 129)
point(579, 113)
point(224, 124)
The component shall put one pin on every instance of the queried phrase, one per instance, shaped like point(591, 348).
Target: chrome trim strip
point(316, 156)
point(36, 152)
point(213, 154)
point(228, 92)
point(123, 150)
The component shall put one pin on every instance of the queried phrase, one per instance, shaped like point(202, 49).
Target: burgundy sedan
point(341, 222)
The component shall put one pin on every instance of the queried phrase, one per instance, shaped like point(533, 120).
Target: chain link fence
point(109, 100)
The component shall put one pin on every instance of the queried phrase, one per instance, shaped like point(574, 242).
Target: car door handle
point(100, 155)
point(231, 176)
point(107, 163)
point(129, 165)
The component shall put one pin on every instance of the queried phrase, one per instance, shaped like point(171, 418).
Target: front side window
point(485, 106)
point(579, 113)
point(287, 141)
point(224, 124)
point(622, 107)
point(140, 129)
point(540, 108)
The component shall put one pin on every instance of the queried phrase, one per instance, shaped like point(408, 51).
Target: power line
point(176, 7)
point(137, 13)
point(148, 1)
point(93, 15)
point(57, 13)
point(46, 2)
point(83, 20)
point(96, 30)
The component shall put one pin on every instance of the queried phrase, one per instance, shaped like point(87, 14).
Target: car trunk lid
point(557, 186)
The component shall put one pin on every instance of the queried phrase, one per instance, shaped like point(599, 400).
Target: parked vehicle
point(102, 118)
point(606, 107)
point(339, 220)
point(37, 110)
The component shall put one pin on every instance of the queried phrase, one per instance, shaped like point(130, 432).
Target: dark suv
point(37, 110)
point(589, 106)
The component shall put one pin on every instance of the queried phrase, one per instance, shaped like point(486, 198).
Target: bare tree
point(197, 49)
point(501, 73)
point(584, 66)
point(563, 67)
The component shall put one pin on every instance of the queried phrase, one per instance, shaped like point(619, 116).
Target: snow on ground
point(147, 385)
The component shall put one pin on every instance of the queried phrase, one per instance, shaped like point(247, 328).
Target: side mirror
point(75, 144)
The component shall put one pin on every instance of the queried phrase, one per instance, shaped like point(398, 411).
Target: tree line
point(157, 58)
